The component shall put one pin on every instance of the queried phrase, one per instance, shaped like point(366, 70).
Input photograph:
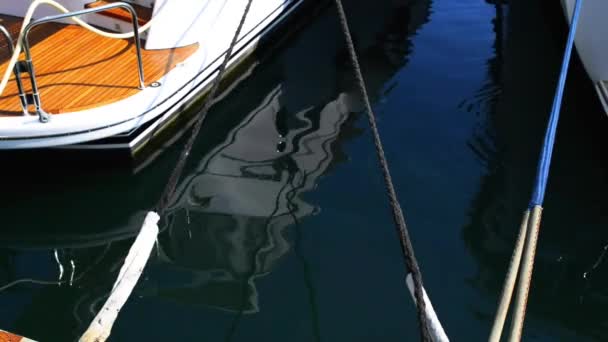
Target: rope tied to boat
point(169, 190)
point(100, 328)
point(407, 249)
point(527, 239)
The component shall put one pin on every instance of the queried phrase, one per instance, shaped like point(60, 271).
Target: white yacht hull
point(592, 42)
point(152, 107)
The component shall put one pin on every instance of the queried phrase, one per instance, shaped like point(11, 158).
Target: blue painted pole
point(542, 176)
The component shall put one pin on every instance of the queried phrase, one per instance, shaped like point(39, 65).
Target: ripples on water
point(280, 231)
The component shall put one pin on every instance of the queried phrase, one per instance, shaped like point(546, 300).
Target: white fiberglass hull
point(592, 42)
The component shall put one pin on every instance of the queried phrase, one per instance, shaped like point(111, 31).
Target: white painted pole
point(129, 274)
point(525, 275)
point(509, 285)
point(435, 328)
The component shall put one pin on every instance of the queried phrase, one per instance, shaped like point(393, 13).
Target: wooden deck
point(8, 337)
point(77, 69)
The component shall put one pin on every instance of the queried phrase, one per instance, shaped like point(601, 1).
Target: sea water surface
point(280, 228)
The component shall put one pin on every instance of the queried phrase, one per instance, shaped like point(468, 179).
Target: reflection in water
point(247, 248)
point(487, 209)
point(228, 219)
point(72, 281)
point(228, 224)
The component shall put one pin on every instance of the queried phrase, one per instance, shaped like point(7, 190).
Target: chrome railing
point(11, 49)
point(8, 38)
point(34, 98)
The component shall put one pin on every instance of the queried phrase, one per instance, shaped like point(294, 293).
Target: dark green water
point(280, 230)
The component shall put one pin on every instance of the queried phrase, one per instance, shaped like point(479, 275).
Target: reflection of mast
point(486, 100)
point(487, 208)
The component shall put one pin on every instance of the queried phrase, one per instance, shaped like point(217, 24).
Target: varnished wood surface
point(77, 69)
point(8, 337)
point(144, 14)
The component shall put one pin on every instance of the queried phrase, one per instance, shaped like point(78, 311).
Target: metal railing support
point(35, 96)
point(16, 69)
point(8, 38)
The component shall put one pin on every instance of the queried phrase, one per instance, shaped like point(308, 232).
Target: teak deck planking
point(77, 69)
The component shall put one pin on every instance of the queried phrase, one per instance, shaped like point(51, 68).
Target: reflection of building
point(229, 220)
point(243, 195)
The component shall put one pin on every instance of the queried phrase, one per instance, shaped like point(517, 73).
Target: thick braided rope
point(404, 238)
point(179, 167)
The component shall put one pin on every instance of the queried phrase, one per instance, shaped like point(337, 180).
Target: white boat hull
point(592, 42)
point(158, 105)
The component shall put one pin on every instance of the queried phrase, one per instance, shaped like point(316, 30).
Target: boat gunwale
point(34, 140)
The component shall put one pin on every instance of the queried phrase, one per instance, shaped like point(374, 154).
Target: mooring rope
point(177, 171)
point(528, 234)
point(404, 238)
point(100, 328)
